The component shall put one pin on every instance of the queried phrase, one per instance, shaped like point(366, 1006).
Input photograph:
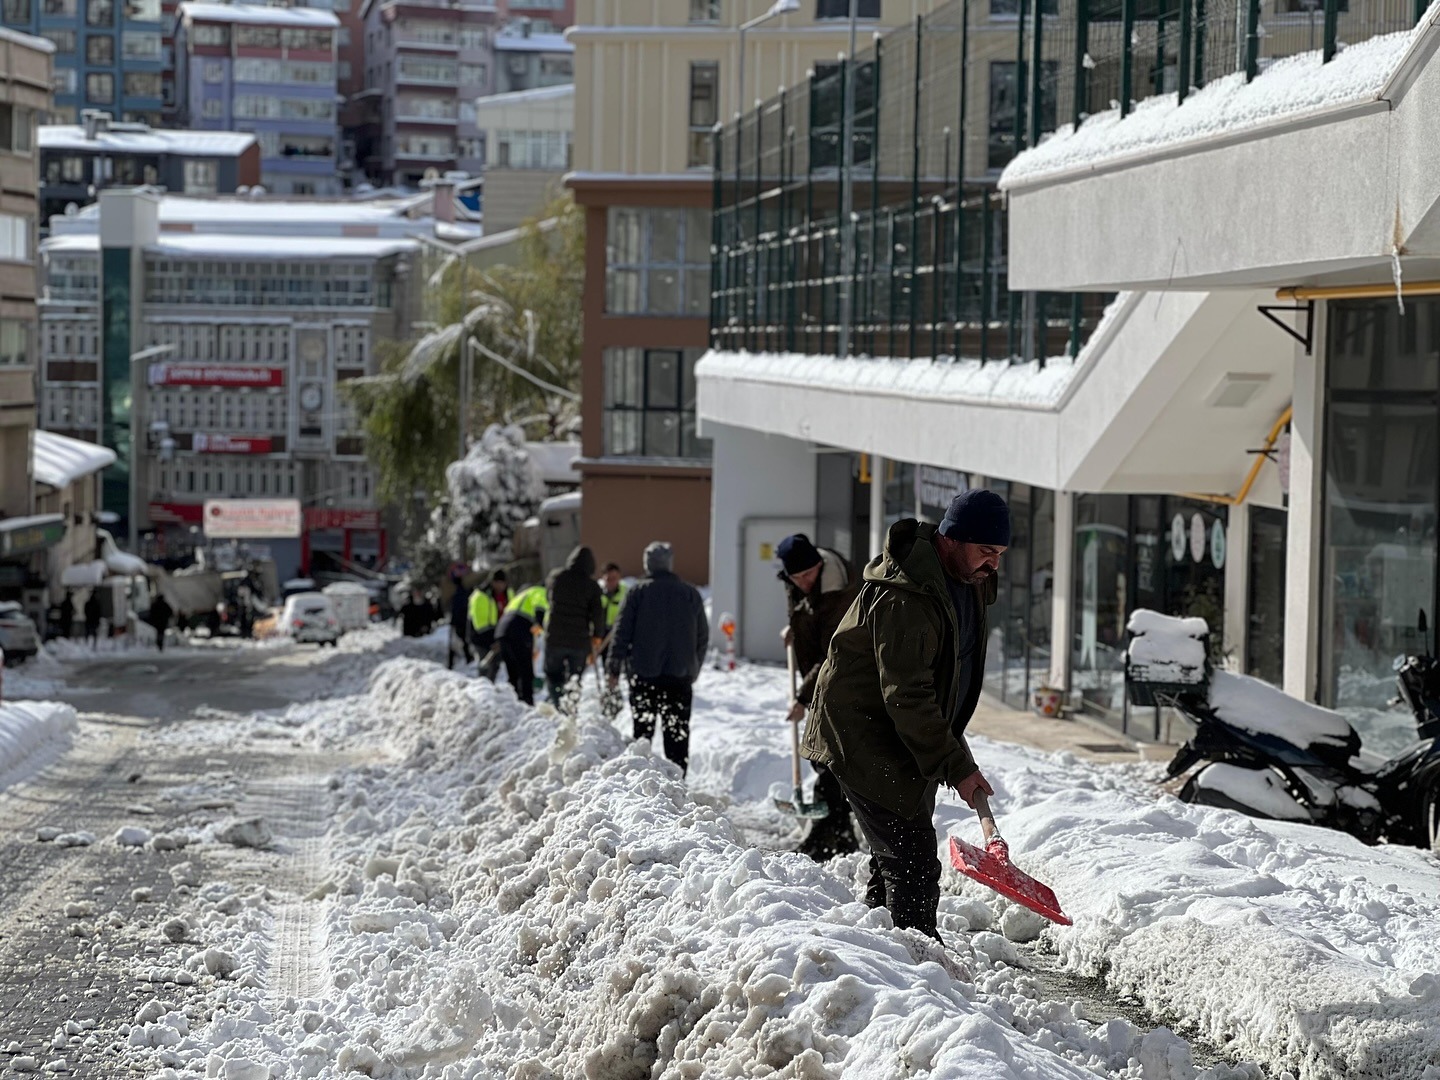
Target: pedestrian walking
point(612, 596)
point(486, 606)
point(661, 635)
point(459, 617)
point(515, 637)
point(416, 615)
point(899, 684)
point(66, 622)
point(92, 618)
point(818, 592)
point(574, 628)
point(160, 614)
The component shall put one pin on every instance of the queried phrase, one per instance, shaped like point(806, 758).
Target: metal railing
point(940, 107)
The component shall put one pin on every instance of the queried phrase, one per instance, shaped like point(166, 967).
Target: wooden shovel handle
point(794, 724)
point(987, 819)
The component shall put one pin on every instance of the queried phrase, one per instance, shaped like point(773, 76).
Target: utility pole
point(847, 185)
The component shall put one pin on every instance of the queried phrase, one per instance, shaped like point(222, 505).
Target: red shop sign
point(209, 375)
point(365, 520)
point(230, 444)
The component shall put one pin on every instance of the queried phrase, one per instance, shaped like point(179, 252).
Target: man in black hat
point(818, 592)
point(899, 684)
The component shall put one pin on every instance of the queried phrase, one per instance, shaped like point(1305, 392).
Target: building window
point(827, 115)
point(557, 67)
point(532, 149)
point(142, 10)
point(14, 238)
point(63, 81)
point(199, 177)
point(840, 9)
point(1011, 8)
point(16, 12)
point(99, 13)
point(473, 74)
point(704, 11)
point(145, 84)
point(649, 405)
point(257, 37)
point(16, 132)
point(211, 34)
point(344, 70)
point(214, 71)
point(213, 109)
point(100, 49)
point(71, 170)
point(657, 262)
point(63, 40)
point(14, 342)
point(704, 110)
point(100, 88)
point(297, 37)
point(1004, 99)
point(140, 45)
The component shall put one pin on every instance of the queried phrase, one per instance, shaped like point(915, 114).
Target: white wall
point(753, 475)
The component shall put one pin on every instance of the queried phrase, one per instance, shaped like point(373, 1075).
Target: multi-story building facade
point(24, 97)
point(528, 59)
point(108, 55)
point(78, 160)
point(545, 16)
point(651, 82)
point(270, 71)
point(529, 135)
point(243, 321)
point(422, 61)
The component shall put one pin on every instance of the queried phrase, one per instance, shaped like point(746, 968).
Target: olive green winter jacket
point(887, 693)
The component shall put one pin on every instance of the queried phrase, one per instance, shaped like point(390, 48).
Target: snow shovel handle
point(987, 819)
point(794, 727)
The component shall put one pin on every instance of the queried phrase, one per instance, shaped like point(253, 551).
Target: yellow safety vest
point(612, 605)
point(530, 602)
point(484, 610)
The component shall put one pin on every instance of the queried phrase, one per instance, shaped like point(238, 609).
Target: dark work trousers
point(519, 668)
point(563, 670)
point(459, 646)
point(666, 699)
point(484, 642)
point(833, 834)
point(904, 868)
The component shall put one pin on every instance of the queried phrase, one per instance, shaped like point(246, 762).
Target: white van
point(310, 616)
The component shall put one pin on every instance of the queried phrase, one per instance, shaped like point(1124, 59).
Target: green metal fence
point(940, 106)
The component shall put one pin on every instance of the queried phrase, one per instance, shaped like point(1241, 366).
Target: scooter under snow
point(1324, 781)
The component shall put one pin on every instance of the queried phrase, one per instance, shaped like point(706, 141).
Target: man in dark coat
point(662, 636)
point(66, 621)
point(459, 617)
point(160, 614)
point(92, 618)
point(818, 592)
point(515, 639)
point(898, 687)
point(416, 615)
point(574, 629)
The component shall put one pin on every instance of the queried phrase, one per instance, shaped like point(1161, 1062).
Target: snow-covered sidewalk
point(513, 894)
point(27, 730)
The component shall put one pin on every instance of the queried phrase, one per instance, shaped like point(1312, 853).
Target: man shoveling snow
point(899, 685)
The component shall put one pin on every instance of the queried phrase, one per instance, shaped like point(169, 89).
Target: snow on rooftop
point(1288, 88)
point(523, 97)
point(149, 141)
point(58, 460)
point(259, 15)
point(243, 246)
point(29, 41)
point(556, 43)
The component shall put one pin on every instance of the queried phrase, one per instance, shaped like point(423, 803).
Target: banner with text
point(202, 443)
point(211, 375)
point(246, 519)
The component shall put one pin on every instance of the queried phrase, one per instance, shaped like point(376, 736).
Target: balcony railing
point(918, 268)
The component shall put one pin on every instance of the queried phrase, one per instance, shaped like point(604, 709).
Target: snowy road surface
point(451, 886)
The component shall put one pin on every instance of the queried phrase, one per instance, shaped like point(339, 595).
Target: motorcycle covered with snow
point(1269, 755)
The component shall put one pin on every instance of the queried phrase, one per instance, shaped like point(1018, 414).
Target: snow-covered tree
point(488, 494)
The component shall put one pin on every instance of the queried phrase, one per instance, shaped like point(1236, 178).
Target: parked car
point(311, 616)
point(19, 638)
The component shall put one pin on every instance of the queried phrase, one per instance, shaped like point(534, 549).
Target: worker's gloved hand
point(973, 783)
point(797, 712)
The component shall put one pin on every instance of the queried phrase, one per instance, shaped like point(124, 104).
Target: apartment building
point(544, 16)
point(78, 160)
point(527, 58)
point(529, 134)
point(107, 56)
point(219, 332)
point(423, 59)
point(266, 70)
point(651, 82)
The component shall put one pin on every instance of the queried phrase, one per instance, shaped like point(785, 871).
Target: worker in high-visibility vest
point(612, 597)
point(524, 617)
point(486, 606)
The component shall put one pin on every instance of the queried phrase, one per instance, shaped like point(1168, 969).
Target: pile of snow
point(1287, 89)
point(1167, 649)
point(26, 728)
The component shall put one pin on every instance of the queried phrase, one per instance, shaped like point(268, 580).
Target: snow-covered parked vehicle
point(311, 617)
point(19, 638)
point(1262, 752)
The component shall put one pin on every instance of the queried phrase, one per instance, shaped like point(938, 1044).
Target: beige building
point(652, 78)
point(529, 135)
point(24, 98)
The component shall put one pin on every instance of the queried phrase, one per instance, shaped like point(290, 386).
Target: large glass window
point(1005, 99)
point(100, 89)
point(657, 262)
point(840, 9)
point(649, 404)
point(144, 84)
point(14, 342)
point(704, 11)
point(1265, 640)
point(100, 49)
point(140, 45)
point(64, 42)
point(827, 115)
point(17, 12)
point(142, 10)
point(704, 110)
point(99, 12)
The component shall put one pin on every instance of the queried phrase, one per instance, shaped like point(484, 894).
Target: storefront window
point(1265, 642)
point(1102, 552)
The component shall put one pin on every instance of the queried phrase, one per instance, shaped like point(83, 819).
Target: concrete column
point(1304, 555)
point(877, 505)
point(1237, 587)
point(1062, 590)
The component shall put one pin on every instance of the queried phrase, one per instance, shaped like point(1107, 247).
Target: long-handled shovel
point(796, 803)
point(991, 866)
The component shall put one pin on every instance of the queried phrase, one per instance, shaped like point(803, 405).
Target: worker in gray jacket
point(661, 636)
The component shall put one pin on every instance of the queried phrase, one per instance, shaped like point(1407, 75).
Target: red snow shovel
point(991, 866)
point(796, 804)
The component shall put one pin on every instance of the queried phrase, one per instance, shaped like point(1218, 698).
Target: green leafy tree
point(523, 321)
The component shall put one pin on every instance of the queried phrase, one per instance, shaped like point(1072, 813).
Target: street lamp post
point(460, 252)
point(137, 386)
point(778, 8)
